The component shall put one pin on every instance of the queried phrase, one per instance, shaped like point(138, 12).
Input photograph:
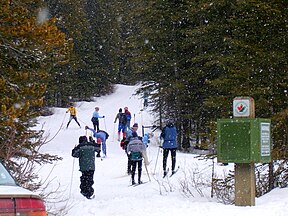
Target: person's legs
point(119, 131)
point(75, 118)
point(133, 172)
point(86, 183)
point(97, 125)
point(104, 147)
point(123, 129)
point(165, 155)
point(83, 183)
point(173, 158)
point(90, 182)
point(129, 166)
point(69, 121)
point(139, 171)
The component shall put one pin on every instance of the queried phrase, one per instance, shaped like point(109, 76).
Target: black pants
point(96, 125)
point(130, 163)
point(134, 164)
point(173, 157)
point(75, 118)
point(86, 183)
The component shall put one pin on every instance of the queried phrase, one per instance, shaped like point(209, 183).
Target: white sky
point(160, 197)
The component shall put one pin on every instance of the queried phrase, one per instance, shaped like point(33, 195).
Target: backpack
point(94, 120)
point(135, 156)
point(122, 143)
point(122, 118)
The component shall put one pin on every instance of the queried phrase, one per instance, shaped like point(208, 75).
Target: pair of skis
point(175, 171)
point(137, 184)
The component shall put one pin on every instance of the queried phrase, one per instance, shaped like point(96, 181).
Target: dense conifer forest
point(190, 57)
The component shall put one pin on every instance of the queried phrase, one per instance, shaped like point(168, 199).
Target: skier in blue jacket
point(103, 135)
point(95, 118)
point(169, 135)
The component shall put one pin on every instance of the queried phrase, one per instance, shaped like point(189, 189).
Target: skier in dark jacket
point(169, 135)
point(128, 117)
point(122, 123)
point(137, 151)
point(85, 151)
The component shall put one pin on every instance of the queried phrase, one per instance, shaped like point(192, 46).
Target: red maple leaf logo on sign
point(241, 108)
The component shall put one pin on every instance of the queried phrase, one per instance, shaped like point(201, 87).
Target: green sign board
point(244, 140)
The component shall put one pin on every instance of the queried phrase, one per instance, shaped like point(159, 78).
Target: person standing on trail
point(124, 144)
point(122, 123)
point(85, 151)
point(73, 113)
point(169, 135)
point(128, 116)
point(137, 151)
point(145, 98)
point(100, 135)
point(95, 118)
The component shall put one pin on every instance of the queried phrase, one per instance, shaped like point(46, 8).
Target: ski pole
point(71, 177)
point(147, 172)
point(113, 132)
point(156, 160)
point(105, 124)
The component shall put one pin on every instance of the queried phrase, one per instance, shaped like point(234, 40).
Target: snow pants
point(86, 183)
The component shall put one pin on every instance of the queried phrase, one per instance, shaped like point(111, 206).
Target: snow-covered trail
point(113, 195)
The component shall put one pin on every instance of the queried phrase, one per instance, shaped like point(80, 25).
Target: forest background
point(191, 58)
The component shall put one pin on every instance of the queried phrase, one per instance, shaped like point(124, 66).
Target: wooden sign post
point(244, 107)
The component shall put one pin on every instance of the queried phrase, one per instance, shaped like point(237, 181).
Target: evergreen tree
point(29, 45)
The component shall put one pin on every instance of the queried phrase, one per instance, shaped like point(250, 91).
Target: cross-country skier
point(122, 123)
point(73, 113)
point(128, 117)
point(137, 151)
point(95, 118)
point(169, 135)
point(85, 151)
point(125, 142)
point(100, 135)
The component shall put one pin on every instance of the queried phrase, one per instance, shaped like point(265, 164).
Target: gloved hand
point(103, 116)
point(86, 127)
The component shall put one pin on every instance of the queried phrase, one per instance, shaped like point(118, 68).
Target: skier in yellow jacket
point(73, 112)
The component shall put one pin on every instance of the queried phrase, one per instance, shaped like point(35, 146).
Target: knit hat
point(135, 125)
point(82, 139)
point(120, 110)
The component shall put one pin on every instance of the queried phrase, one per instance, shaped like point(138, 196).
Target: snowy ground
point(160, 197)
